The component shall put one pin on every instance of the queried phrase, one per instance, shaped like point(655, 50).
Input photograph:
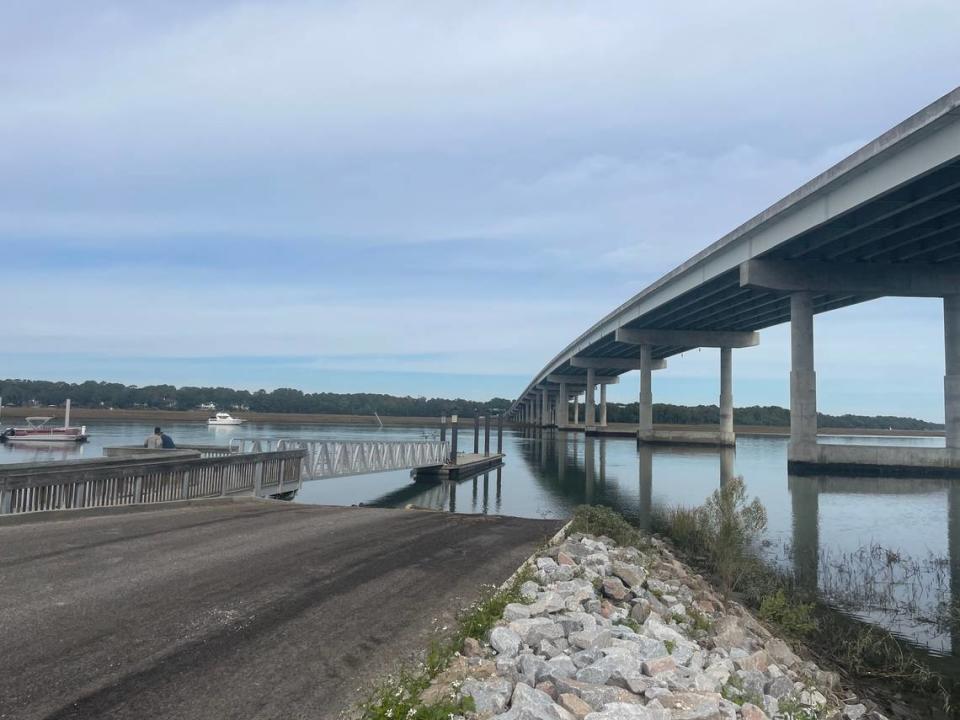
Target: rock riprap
point(616, 633)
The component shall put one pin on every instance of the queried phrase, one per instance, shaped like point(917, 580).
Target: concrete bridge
point(883, 222)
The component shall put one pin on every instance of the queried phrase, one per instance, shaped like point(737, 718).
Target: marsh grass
point(874, 577)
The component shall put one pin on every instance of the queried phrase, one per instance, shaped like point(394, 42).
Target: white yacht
point(222, 418)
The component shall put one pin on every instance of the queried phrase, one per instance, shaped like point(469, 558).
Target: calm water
point(881, 548)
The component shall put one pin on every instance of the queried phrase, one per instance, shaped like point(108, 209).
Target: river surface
point(879, 548)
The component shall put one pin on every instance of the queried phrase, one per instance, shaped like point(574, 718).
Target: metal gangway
point(336, 458)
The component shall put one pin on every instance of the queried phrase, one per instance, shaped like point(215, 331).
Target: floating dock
point(467, 465)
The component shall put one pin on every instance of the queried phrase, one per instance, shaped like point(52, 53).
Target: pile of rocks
point(611, 633)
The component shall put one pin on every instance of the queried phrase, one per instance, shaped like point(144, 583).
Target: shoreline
point(200, 416)
point(591, 629)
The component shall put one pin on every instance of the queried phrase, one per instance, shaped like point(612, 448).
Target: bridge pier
point(725, 341)
point(589, 412)
point(803, 380)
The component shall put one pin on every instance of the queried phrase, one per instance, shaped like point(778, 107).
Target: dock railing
point(333, 458)
point(160, 476)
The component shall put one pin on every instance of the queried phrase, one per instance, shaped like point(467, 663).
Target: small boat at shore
point(222, 418)
point(37, 429)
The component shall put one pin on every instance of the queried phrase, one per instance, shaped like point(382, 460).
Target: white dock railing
point(335, 458)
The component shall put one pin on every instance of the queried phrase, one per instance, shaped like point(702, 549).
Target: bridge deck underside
point(918, 222)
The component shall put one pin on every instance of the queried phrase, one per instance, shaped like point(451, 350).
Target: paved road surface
point(246, 609)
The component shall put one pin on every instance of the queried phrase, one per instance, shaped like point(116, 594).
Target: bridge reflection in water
point(576, 470)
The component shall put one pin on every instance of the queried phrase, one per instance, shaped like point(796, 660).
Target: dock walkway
point(231, 608)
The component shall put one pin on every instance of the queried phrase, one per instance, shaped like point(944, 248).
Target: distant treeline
point(282, 400)
point(288, 400)
point(769, 415)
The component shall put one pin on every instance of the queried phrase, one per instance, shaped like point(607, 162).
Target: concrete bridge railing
point(159, 476)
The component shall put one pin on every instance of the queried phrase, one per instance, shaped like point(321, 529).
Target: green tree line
point(289, 400)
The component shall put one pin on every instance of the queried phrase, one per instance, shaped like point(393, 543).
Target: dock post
point(500, 434)
point(486, 434)
point(443, 428)
point(453, 440)
point(476, 434)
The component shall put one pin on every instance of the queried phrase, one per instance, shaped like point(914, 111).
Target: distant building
point(208, 406)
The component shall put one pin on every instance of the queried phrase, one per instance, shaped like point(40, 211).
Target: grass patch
point(398, 698)
point(601, 520)
point(792, 617)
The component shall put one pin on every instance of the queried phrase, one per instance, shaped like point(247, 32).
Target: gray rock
point(611, 667)
point(545, 563)
point(530, 667)
point(559, 667)
point(516, 611)
point(752, 683)
point(553, 602)
point(641, 610)
point(596, 638)
point(525, 626)
point(529, 590)
point(779, 687)
point(854, 712)
point(547, 631)
point(529, 703)
point(781, 653)
point(729, 633)
point(655, 627)
point(505, 641)
point(489, 696)
point(633, 576)
point(629, 711)
point(585, 657)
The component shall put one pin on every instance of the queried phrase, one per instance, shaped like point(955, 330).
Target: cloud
point(464, 186)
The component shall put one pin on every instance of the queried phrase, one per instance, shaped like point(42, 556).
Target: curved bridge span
point(883, 222)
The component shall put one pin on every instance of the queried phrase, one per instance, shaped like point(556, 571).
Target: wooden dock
point(467, 465)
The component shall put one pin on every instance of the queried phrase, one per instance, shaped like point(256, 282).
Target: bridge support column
point(563, 407)
point(603, 405)
point(589, 414)
point(803, 380)
point(576, 408)
point(645, 422)
point(726, 395)
point(544, 409)
point(951, 379)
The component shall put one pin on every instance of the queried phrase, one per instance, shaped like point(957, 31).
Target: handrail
point(334, 458)
point(156, 477)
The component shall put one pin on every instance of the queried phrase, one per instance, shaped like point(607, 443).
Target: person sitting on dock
point(166, 442)
point(154, 441)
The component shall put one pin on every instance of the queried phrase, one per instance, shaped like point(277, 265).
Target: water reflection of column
point(645, 508)
point(453, 496)
point(805, 502)
point(603, 461)
point(499, 471)
point(727, 456)
point(953, 543)
point(588, 467)
point(473, 506)
point(486, 493)
point(562, 457)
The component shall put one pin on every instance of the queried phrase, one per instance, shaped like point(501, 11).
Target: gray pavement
point(244, 609)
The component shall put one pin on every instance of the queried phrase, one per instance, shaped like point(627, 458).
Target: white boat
point(37, 430)
point(222, 418)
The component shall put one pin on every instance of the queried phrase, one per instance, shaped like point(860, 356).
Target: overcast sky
point(430, 197)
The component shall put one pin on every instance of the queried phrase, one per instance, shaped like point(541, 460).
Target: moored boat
point(37, 429)
point(222, 418)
